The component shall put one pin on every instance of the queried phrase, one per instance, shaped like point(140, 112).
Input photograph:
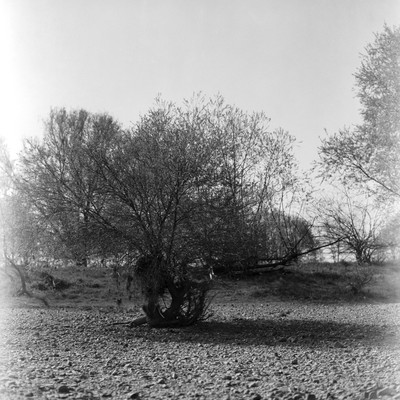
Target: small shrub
point(45, 281)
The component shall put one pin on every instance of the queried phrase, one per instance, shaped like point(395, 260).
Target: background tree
point(357, 224)
point(390, 235)
point(19, 232)
point(369, 154)
point(286, 237)
point(55, 177)
point(254, 175)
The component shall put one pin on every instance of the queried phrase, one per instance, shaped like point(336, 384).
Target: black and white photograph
point(200, 200)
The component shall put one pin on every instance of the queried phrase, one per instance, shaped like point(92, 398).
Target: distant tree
point(356, 223)
point(253, 168)
point(19, 233)
point(56, 177)
point(286, 237)
point(390, 235)
point(369, 154)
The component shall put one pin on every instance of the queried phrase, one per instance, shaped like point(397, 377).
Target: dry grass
point(329, 281)
point(95, 286)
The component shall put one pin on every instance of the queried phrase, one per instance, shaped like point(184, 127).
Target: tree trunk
point(169, 317)
point(187, 298)
point(24, 289)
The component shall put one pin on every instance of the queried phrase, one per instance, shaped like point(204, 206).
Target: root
point(138, 322)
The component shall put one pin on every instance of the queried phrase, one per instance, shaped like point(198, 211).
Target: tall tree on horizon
point(369, 154)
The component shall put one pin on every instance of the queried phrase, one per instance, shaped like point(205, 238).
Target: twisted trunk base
point(187, 297)
point(188, 305)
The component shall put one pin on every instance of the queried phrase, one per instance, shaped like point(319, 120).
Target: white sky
point(293, 59)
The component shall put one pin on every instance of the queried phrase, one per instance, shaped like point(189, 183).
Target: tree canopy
point(202, 183)
point(369, 154)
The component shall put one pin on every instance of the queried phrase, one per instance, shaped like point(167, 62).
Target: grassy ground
point(96, 286)
point(330, 282)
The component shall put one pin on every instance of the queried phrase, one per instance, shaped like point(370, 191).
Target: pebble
point(64, 389)
point(134, 395)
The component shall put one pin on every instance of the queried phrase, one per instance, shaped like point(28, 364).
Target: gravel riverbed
point(252, 350)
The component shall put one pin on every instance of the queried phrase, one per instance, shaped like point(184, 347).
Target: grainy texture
point(251, 350)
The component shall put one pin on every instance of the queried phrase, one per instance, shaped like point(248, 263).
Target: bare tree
point(356, 222)
point(254, 176)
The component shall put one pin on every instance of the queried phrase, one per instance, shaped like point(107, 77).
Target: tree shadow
point(289, 332)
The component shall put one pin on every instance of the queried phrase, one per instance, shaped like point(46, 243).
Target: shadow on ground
point(270, 332)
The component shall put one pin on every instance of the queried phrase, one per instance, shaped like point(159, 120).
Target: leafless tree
point(356, 221)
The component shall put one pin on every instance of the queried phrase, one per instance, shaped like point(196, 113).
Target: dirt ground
point(291, 334)
point(262, 342)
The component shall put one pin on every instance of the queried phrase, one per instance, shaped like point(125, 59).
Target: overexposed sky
point(292, 59)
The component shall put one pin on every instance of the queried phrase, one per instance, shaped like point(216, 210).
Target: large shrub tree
point(203, 183)
point(197, 183)
point(154, 172)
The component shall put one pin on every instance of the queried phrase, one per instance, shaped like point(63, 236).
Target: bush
point(45, 281)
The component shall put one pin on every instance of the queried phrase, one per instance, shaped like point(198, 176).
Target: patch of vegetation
point(45, 281)
point(326, 281)
point(327, 276)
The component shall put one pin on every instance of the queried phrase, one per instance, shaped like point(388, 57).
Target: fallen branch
point(265, 263)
